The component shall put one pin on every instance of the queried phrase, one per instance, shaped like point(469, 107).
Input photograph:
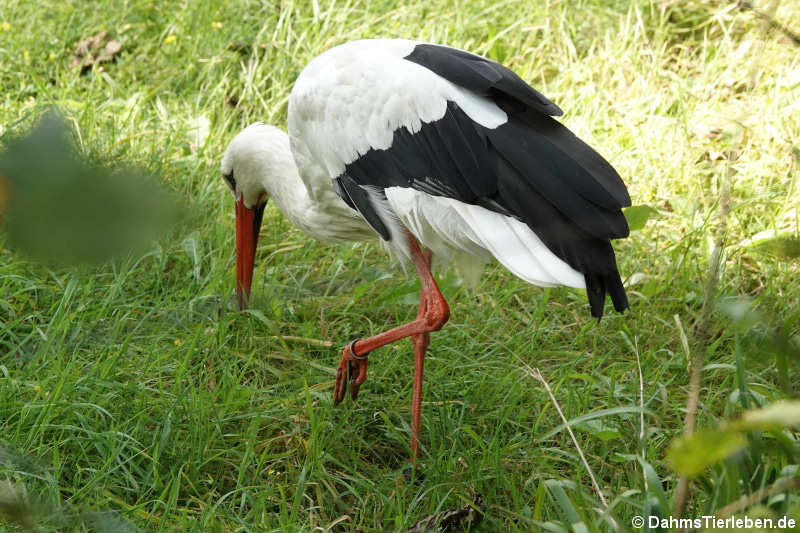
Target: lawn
point(133, 396)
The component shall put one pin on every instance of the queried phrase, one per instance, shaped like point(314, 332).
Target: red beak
point(248, 224)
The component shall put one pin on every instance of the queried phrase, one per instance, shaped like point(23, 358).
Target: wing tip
point(358, 199)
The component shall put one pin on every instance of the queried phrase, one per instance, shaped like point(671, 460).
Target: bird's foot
point(353, 368)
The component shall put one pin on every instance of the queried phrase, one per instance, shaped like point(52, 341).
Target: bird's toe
point(340, 385)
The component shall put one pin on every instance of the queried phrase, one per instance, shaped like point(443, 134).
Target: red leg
point(420, 345)
point(433, 314)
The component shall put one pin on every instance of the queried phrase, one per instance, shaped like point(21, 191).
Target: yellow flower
point(26, 55)
point(216, 25)
point(37, 388)
point(5, 26)
point(178, 342)
point(171, 38)
point(52, 56)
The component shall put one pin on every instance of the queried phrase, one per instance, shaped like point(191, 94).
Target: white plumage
point(448, 226)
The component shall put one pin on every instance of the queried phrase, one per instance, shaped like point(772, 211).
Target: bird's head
point(252, 166)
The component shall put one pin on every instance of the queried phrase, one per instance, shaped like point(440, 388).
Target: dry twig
point(537, 375)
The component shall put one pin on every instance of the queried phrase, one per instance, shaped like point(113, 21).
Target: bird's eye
point(229, 178)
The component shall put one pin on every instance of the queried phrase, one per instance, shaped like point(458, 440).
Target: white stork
point(422, 144)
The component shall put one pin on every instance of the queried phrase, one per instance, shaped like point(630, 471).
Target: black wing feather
point(558, 177)
point(358, 198)
point(482, 76)
point(596, 178)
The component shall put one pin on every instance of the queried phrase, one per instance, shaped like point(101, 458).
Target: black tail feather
point(617, 292)
point(598, 284)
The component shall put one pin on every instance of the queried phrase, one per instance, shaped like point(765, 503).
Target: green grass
point(132, 395)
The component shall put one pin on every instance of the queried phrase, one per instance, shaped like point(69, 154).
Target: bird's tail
point(598, 284)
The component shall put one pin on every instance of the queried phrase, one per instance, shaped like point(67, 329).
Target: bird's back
point(391, 121)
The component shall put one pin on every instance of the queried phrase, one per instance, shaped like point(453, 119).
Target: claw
point(354, 388)
point(352, 369)
point(340, 385)
point(358, 375)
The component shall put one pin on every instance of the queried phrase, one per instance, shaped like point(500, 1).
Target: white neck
point(291, 196)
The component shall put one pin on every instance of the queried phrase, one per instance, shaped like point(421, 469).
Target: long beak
point(248, 224)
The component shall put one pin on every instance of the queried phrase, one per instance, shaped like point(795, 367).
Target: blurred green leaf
point(638, 215)
point(780, 245)
point(63, 209)
point(14, 510)
point(741, 312)
point(785, 247)
point(110, 522)
point(690, 455)
point(781, 414)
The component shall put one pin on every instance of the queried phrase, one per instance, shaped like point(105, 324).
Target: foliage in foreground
point(133, 397)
